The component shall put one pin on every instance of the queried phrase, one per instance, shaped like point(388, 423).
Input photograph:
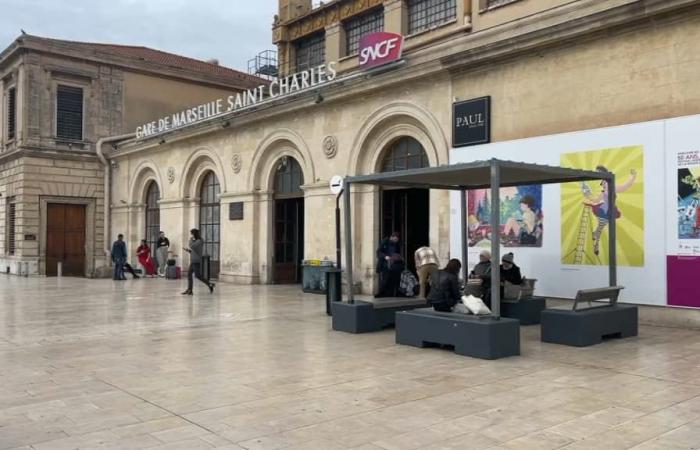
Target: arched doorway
point(288, 221)
point(210, 220)
point(406, 210)
point(152, 215)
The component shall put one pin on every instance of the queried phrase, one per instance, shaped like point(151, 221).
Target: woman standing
point(195, 250)
point(162, 253)
point(145, 259)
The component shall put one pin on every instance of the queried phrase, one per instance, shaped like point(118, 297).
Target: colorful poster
point(585, 213)
point(689, 203)
point(683, 260)
point(521, 217)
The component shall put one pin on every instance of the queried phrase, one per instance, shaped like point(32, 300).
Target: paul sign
point(377, 49)
point(471, 122)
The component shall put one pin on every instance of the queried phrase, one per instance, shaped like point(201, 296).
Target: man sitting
point(510, 273)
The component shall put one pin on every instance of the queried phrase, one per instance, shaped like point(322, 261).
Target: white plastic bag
point(475, 305)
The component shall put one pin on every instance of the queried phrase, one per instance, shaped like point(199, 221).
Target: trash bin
point(333, 287)
point(205, 267)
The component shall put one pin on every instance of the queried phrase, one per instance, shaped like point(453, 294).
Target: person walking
point(119, 258)
point(144, 254)
point(162, 247)
point(195, 250)
point(387, 249)
point(426, 266)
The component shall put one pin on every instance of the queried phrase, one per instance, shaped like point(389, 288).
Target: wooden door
point(289, 240)
point(65, 239)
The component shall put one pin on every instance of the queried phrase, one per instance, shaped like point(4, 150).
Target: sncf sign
point(380, 48)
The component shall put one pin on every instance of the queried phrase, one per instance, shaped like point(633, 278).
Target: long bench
point(527, 310)
point(582, 327)
point(367, 317)
point(484, 337)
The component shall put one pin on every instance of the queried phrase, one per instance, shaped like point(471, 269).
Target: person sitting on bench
point(509, 272)
point(444, 287)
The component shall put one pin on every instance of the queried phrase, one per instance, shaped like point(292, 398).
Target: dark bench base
point(366, 317)
point(480, 337)
point(527, 310)
point(589, 327)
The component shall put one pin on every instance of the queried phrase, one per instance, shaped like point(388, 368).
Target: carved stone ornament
point(330, 146)
point(236, 162)
point(171, 175)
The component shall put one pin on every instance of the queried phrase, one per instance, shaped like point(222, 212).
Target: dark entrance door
point(65, 239)
point(289, 240)
point(408, 212)
point(289, 222)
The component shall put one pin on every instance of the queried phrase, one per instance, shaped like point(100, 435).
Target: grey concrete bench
point(482, 337)
point(589, 326)
point(366, 316)
point(527, 310)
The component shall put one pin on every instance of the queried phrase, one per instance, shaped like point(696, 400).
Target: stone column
point(335, 42)
point(239, 243)
point(396, 16)
point(172, 214)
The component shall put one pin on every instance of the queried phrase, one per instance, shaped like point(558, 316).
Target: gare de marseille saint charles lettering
point(376, 49)
point(294, 83)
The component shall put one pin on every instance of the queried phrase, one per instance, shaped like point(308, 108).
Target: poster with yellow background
point(585, 213)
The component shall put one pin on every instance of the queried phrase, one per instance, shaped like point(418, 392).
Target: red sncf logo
point(380, 48)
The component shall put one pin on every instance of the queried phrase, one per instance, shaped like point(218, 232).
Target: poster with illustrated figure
point(586, 214)
point(522, 221)
point(689, 202)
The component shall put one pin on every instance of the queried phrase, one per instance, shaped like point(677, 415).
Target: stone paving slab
point(101, 364)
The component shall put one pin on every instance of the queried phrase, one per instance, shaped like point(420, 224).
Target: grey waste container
point(205, 267)
point(333, 287)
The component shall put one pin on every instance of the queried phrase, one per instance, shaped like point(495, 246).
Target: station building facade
point(58, 100)
point(256, 180)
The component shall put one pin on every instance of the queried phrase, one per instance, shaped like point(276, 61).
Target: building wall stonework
point(642, 72)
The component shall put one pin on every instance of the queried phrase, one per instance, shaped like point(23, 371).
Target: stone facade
point(37, 168)
point(549, 67)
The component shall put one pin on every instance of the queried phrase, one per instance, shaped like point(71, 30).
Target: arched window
point(288, 178)
point(405, 153)
point(210, 219)
point(152, 215)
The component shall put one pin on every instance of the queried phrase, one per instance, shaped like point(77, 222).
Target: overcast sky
point(232, 31)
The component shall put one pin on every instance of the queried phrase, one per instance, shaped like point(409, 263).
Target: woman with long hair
point(444, 287)
point(195, 250)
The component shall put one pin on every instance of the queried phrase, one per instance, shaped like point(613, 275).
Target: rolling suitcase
point(171, 273)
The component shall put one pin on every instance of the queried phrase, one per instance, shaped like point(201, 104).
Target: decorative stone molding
point(330, 146)
point(236, 162)
point(171, 175)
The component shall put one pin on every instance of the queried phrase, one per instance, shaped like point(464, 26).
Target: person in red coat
point(145, 259)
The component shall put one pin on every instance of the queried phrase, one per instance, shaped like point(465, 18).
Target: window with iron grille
point(405, 153)
point(210, 215)
point(11, 242)
point(11, 113)
point(360, 26)
point(69, 113)
point(310, 52)
point(426, 14)
point(152, 216)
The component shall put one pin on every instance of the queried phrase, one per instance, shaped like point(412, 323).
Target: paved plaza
point(97, 364)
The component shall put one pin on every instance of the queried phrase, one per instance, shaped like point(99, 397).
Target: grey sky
point(232, 31)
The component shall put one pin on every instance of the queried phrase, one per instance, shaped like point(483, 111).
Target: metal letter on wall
point(471, 122)
point(235, 211)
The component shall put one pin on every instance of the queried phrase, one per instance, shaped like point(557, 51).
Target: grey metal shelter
point(492, 174)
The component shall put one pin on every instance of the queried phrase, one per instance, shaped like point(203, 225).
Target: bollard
point(59, 269)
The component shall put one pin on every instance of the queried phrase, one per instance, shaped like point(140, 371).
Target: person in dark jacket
point(387, 249)
point(119, 258)
point(509, 271)
point(444, 287)
point(392, 277)
point(196, 250)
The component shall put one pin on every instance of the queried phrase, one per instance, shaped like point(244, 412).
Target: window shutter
point(11, 113)
point(69, 113)
point(11, 239)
